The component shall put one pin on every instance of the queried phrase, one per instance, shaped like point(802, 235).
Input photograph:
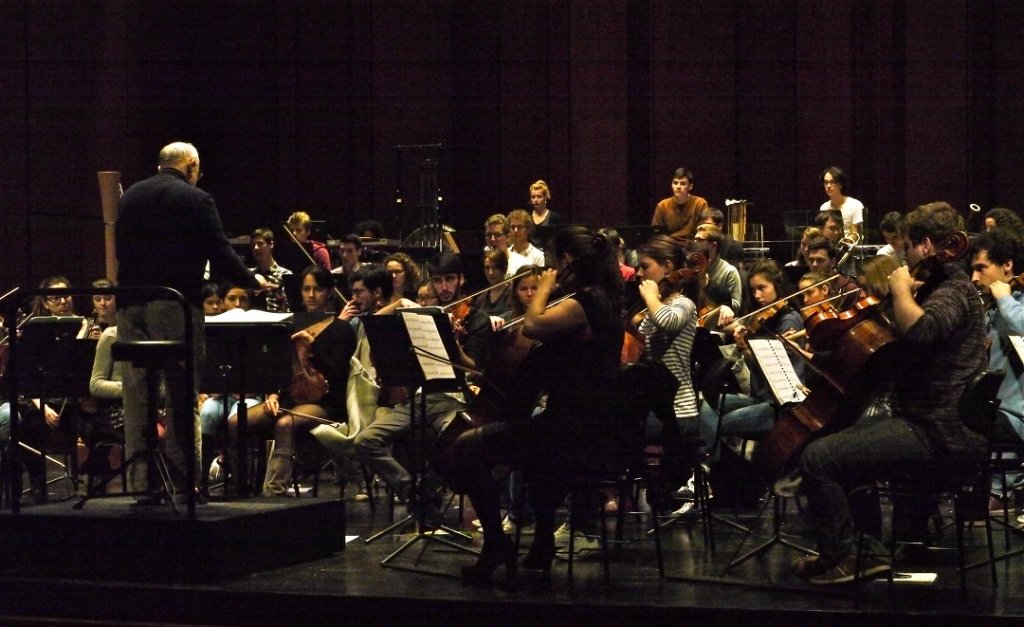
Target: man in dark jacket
point(167, 229)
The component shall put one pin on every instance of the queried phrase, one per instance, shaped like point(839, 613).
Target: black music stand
point(246, 356)
point(53, 362)
point(402, 361)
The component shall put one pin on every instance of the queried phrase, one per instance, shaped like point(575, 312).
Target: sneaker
point(216, 470)
point(846, 570)
point(687, 512)
point(362, 494)
point(1020, 520)
point(509, 527)
point(562, 535)
point(584, 546)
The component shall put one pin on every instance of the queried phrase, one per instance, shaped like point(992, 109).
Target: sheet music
point(236, 315)
point(1017, 341)
point(771, 356)
point(427, 344)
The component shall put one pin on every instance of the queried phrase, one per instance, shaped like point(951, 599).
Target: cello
point(866, 341)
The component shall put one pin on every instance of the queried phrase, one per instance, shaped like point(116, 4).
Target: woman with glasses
point(406, 276)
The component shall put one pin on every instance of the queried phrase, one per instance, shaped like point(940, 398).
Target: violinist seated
point(473, 338)
point(495, 301)
point(996, 260)
point(42, 419)
point(582, 342)
point(749, 416)
point(325, 347)
point(822, 256)
point(273, 298)
point(942, 327)
point(816, 296)
point(720, 272)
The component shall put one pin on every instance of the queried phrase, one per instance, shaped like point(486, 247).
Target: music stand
point(413, 349)
point(53, 362)
point(245, 353)
point(635, 234)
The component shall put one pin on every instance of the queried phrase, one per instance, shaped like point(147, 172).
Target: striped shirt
point(668, 338)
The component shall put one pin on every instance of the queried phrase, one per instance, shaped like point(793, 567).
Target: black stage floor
point(350, 586)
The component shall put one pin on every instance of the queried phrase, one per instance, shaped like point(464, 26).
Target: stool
point(153, 356)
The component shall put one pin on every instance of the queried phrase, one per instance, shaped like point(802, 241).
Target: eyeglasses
point(495, 235)
point(517, 227)
point(57, 299)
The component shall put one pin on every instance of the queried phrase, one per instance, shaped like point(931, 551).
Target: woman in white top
point(834, 180)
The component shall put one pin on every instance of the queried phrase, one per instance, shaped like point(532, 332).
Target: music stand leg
point(418, 500)
point(776, 538)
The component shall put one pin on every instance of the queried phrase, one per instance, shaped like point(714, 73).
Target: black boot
point(496, 551)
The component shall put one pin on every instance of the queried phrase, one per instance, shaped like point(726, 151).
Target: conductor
point(149, 253)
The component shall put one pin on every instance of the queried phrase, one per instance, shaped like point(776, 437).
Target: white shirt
point(853, 210)
point(533, 256)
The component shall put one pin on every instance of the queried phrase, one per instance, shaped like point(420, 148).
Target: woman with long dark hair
point(581, 340)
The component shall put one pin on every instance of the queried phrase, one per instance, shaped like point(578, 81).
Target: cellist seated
point(329, 346)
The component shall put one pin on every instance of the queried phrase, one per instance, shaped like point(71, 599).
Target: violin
point(632, 342)
point(308, 384)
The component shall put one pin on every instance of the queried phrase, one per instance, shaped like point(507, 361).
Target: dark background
point(298, 105)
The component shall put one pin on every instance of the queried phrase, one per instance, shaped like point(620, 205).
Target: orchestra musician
point(262, 242)
point(540, 196)
point(330, 346)
point(582, 341)
point(299, 225)
point(350, 249)
point(997, 257)
point(749, 416)
point(891, 227)
point(39, 417)
point(721, 273)
point(830, 221)
point(473, 339)
point(669, 323)
point(149, 253)
point(495, 302)
point(522, 252)
point(678, 213)
point(852, 210)
point(406, 275)
point(210, 293)
point(496, 233)
point(822, 257)
point(317, 284)
point(1001, 217)
point(943, 326)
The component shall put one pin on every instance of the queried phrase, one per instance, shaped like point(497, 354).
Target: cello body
point(834, 402)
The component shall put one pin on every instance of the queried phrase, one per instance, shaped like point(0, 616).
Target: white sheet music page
point(428, 346)
point(1017, 342)
point(774, 362)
